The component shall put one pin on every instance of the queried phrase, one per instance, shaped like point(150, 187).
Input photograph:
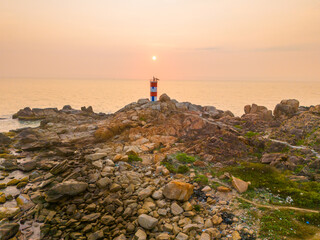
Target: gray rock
point(140, 235)
point(95, 156)
point(147, 222)
point(69, 188)
point(96, 235)
point(143, 101)
point(103, 182)
point(98, 164)
point(91, 217)
point(176, 209)
point(157, 195)
point(28, 165)
point(145, 193)
point(182, 236)
point(107, 219)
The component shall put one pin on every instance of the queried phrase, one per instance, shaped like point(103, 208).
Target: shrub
point(169, 166)
point(197, 207)
point(202, 179)
point(184, 158)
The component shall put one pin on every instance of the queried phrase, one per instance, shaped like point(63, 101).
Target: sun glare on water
point(154, 58)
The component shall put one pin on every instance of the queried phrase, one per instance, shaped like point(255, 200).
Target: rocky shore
point(162, 170)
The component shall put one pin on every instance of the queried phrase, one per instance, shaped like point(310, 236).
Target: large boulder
point(8, 230)
point(177, 190)
point(67, 188)
point(164, 98)
point(286, 108)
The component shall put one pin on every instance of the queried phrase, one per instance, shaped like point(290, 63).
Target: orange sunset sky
point(198, 39)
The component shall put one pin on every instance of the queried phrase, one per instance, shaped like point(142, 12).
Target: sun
point(154, 58)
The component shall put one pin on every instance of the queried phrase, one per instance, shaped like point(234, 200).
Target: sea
point(109, 95)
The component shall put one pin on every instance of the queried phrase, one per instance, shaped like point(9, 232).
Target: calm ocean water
point(110, 95)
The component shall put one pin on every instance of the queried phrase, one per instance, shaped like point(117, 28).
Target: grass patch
point(279, 224)
point(134, 158)
point(251, 134)
point(244, 204)
point(303, 194)
point(238, 126)
point(183, 169)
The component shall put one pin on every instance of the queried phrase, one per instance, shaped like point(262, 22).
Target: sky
point(193, 39)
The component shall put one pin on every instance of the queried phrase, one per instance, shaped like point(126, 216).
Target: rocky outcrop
point(286, 108)
point(256, 112)
point(4, 140)
point(82, 175)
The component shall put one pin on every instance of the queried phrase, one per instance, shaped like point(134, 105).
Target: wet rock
point(8, 230)
point(147, 222)
point(177, 190)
